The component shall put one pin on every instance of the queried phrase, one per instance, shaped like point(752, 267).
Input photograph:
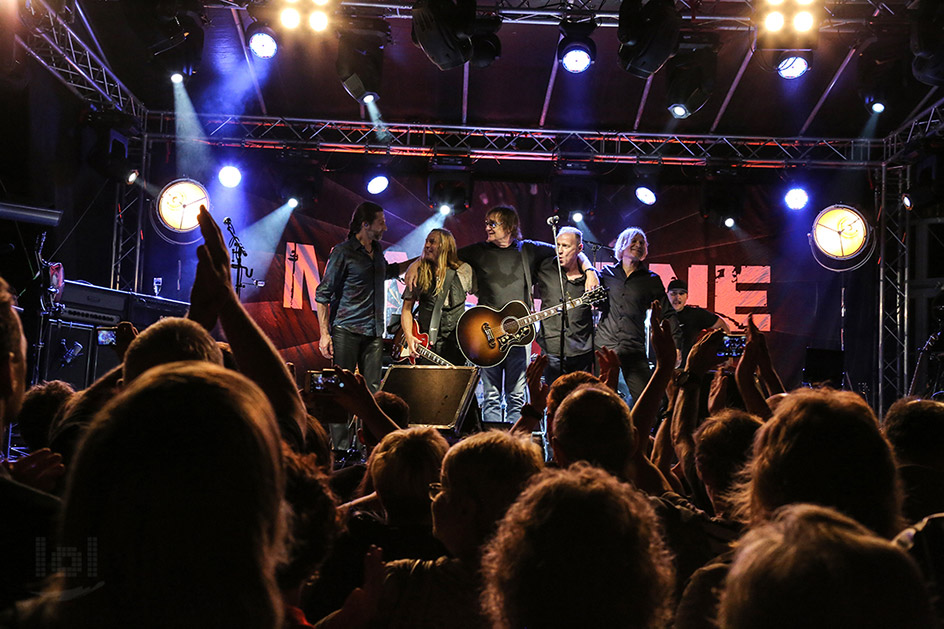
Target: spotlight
point(645, 195)
point(907, 202)
point(729, 222)
point(440, 28)
point(450, 185)
point(262, 41)
point(292, 203)
point(840, 232)
point(230, 176)
point(796, 198)
point(360, 58)
point(803, 21)
point(176, 78)
point(793, 64)
point(648, 35)
point(576, 51)
point(774, 21)
point(486, 46)
point(132, 176)
point(290, 18)
point(318, 21)
point(377, 184)
point(577, 217)
point(788, 25)
point(691, 80)
point(874, 105)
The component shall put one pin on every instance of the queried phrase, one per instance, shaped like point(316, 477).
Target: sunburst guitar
point(401, 350)
point(485, 335)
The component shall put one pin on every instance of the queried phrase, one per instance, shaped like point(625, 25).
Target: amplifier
point(438, 396)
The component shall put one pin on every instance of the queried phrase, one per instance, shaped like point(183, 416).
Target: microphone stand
point(563, 299)
point(238, 254)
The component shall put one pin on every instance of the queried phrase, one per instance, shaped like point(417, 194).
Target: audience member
point(915, 428)
point(593, 425)
point(812, 567)
point(578, 549)
point(27, 514)
point(313, 525)
point(175, 492)
point(40, 405)
point(722, 447)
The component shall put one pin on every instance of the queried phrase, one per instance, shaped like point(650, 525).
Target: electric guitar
point(401, 349)
point(485, 335)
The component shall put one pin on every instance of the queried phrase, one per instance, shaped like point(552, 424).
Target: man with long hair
point(350, 298)
point(442, 283)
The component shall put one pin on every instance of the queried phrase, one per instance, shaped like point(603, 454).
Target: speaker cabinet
point(68, 351)
point(438, 396)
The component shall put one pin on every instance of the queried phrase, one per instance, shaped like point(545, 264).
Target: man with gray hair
point(578, 335)
point(632, 288)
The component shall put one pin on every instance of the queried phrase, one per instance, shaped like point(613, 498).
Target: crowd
point(192, 487)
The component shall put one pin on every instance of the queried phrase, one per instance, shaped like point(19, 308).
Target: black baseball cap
point(677, 284)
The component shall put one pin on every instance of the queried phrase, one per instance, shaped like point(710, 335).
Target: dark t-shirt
point(579, 319)
point(498, 271)
point(693, 320)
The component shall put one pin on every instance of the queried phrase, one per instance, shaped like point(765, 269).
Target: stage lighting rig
point(648, 35)
point(787, 24)
point(450, 184)
point(441, 28)
point(691, 80)
point(262, 40)
point(576, 51)
point(360, 57)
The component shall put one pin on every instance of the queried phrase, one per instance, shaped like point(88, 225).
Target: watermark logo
point(72, 562)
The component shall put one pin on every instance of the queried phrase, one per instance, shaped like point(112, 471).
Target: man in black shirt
point(350, 298)
point(632, 288)
point(692, 319)
point(578, 337)
point(505, 270)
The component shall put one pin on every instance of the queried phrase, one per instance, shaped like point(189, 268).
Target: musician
point(442, 283)
point(578, 337)
point(632, 287)
point(350, 298)
point(505, 268)
point(692, 319)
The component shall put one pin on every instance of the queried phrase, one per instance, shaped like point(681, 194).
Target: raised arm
point(255, 354)
point(647, 406)
point(754, 400)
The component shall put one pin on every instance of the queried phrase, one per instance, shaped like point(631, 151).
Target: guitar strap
point(438, 307)
point(527, 277)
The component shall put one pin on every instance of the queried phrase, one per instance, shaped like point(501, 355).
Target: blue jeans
point(505, 380)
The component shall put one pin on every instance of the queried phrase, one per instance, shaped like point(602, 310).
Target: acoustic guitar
point(401, 349)
point(485, 335)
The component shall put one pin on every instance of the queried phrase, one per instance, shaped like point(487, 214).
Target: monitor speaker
point(437, 396)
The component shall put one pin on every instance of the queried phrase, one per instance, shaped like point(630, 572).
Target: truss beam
point(495, 143)
point(894, 353)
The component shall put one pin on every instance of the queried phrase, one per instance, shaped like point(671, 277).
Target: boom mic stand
point(238, 254)
point(552, 221)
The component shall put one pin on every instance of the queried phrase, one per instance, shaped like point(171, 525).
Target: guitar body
point(481, 337)
point(402, 352)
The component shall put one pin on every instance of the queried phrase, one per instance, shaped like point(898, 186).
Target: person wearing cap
point(692, 319)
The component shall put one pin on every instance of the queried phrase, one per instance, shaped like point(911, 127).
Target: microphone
point(553, 220)
point(69, 353)
point(227, 221)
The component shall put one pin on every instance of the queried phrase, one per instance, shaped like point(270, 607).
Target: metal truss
point(894, 352)
point(421, 140)
point(57, 48)
point(130, 210)
point(907, 138)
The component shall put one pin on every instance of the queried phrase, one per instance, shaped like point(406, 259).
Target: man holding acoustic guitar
point(506, 268)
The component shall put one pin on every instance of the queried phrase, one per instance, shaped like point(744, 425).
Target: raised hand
point(537, 389)
point(704, 354)
point(660, 333)
point(212, 282)
point(40, 470)
point(609, 367)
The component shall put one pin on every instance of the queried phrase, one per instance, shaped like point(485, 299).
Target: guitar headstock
point(593, 296)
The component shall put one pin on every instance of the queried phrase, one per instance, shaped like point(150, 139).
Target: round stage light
point(132, 176)
point(577, 217)
point(840, 232)
point(796, 198)
point(262, 43)
point(729, 222)
point(679, 111)
point(318, 21)
point(230, 176)
point(803, 21)
point(290, 18)
point(645, 195)
point(369, 98)
point(774, 21)
point(445, 209)
point(907, 202)
point(377, 184)
point(292, 203)
point(793, 66)
point(576, 59)
point(179, 203)
point(176, 78)
point(877, 107)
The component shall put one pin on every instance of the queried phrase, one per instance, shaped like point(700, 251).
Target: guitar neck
point(428, 354)
point(544, 314)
